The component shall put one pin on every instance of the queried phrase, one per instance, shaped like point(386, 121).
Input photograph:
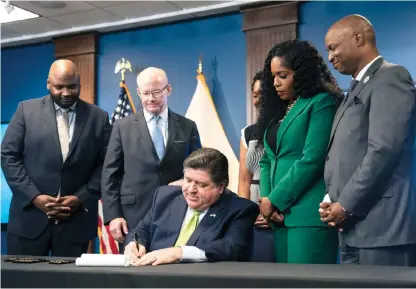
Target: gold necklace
point(288, 108)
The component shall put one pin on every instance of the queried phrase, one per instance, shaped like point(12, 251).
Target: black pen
point(136, 240)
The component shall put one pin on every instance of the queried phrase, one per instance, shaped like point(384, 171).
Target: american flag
point(123, 108)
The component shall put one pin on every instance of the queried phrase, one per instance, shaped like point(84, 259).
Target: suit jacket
point(224, 233)
point(369, 163)
point(293, 175)
point(132, 170)
point(32, 162)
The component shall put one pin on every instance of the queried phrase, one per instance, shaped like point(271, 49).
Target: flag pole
point(199, 70)
point(123, 85)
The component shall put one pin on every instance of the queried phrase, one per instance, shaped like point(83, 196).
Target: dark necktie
point(353, 84)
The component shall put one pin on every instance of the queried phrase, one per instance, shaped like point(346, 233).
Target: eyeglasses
point(157, 93)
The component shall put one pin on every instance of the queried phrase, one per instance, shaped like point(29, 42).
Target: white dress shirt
point(72, 114)
point(162, 124)
point(365, 68)
point(192, 253)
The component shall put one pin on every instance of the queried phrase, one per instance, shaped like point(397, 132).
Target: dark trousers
point(121, 248)
point(404, 255)
point(51, 241)
point(263, 245)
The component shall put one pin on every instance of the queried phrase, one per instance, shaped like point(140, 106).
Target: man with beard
point(368, 171)
point(52, 156)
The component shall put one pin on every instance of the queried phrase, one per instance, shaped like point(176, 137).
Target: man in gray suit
point(146, 150)
point(52, 155)
point(369, 164)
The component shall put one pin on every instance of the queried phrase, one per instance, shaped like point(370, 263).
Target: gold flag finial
point(199, 70)
point(122, 66)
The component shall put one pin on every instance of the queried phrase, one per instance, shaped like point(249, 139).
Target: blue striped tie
point(157, 137)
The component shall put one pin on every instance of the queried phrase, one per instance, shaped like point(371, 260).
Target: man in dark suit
point(52, 155)
point(368, 171)
point(146, 150)
point(202, 221)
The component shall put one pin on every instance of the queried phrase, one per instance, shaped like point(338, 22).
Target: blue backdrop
point(176, 48)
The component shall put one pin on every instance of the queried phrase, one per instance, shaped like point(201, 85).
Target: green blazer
point(292, 177)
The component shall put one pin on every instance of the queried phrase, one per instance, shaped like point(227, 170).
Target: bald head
point(351, 44)
point(64, 83)
point(355, 23)
point(153, 88)
point(152, 74)
point(63, 67)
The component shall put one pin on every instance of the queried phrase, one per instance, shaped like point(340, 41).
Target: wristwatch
point(346, 212)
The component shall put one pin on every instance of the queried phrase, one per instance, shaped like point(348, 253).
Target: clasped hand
point(57, 207)
point(333, 214)
point(268, 213)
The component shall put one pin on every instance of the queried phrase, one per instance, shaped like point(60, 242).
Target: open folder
point(103, 260)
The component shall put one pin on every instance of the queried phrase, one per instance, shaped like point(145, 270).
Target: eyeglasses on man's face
point(157, 93)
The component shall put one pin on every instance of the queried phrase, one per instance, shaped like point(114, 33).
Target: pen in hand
point(136, 241)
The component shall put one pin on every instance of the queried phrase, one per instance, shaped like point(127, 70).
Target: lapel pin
point(213, 215)
point(366, 79)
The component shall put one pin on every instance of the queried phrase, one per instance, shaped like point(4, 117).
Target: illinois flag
point(202, 111)
point(124, 108)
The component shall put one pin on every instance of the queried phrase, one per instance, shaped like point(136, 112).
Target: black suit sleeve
point(144, 226)
point(12, 164)
point(195, 141)
point(235, 245)
point(92, 190)
point(111, 177)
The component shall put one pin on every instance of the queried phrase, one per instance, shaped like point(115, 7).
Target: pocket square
point(179, 141)
point(357, 100)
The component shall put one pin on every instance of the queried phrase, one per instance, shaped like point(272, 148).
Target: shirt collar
point(163, 115)
point(71, 108)
point(365, 68)
point(190, 210)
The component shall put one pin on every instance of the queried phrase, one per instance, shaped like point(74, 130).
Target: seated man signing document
point(202, 221)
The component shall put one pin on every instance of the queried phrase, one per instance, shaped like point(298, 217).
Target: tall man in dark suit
point(52, 156)
point(369, 165)
point(146, 150)
point(202, 221)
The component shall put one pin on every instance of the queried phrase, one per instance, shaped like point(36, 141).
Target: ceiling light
point(10, 13)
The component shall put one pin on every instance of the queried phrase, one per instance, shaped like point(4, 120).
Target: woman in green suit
point(300, 98)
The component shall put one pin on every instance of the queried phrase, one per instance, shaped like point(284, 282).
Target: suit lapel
point(80, 120)
point(50, 120)
point(144, 133)
point(367, 78)
point(213, 215)
point(299, 106)
point(177, 212)
point(173, 128)
point(267, 147)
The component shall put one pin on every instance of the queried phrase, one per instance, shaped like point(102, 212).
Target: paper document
point(103, 260)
